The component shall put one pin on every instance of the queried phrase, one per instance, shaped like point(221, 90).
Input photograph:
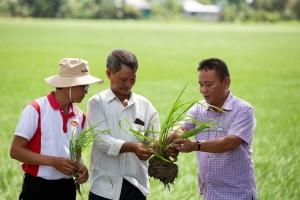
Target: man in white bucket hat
point(43, 133)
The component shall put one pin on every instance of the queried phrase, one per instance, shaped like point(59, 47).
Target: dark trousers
point(35, 188)
point(128, 192)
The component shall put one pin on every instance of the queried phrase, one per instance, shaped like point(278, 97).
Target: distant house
point(142, 6)
point(204, 12)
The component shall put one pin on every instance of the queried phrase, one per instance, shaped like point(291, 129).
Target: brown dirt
point(163, 171)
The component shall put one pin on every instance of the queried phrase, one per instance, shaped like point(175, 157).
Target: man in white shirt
point(43, 134)
point(119, 168)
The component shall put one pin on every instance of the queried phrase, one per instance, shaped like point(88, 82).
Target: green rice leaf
point(178, 113)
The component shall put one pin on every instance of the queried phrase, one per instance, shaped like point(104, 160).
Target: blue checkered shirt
point(229, 175)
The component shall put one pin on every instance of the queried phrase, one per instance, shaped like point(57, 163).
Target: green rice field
point(263, 59)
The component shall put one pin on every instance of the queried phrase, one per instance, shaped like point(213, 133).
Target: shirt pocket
point(136, 130)
point(138, 127)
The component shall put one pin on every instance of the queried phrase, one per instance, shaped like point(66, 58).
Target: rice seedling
point(161, 167)
point(80, 140)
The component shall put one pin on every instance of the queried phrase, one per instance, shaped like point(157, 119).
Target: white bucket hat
point(72, 72)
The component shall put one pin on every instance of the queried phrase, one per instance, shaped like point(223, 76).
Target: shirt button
point(207, 156)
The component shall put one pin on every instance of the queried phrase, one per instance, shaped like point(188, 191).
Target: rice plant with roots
point(161, 167)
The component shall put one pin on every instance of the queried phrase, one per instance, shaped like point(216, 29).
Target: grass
point(263, 60)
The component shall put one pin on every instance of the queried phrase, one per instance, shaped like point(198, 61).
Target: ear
point(226, 82)
point(108, 73)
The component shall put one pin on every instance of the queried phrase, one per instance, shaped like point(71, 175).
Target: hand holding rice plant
point(160, 165)
point(79, 141)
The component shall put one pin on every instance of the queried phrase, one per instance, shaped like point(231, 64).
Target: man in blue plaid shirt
point(224, 156)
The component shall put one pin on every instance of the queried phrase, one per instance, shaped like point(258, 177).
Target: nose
point(203, 89)
point(128, 84)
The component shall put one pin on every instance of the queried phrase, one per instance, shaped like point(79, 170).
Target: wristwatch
point(199, 145)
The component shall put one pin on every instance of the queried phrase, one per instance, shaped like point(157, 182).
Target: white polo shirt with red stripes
point(49, 131)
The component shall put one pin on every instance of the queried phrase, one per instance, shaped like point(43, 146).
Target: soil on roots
point(164, 171)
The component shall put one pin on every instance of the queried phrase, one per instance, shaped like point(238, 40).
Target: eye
point(86, 88)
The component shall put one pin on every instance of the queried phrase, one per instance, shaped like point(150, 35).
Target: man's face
point(122, 81)
point(212, 88)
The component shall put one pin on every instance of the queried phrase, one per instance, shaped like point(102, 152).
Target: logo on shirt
point(74, 122)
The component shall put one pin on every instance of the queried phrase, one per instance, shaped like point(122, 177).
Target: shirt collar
point(228, 102)
point(110, 96)
point(54, 104)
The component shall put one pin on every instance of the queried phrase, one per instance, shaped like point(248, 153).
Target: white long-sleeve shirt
point(108, 166)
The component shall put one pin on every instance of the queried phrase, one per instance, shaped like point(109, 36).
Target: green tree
point(168, 9)
point(295, 7)
point(42, 8)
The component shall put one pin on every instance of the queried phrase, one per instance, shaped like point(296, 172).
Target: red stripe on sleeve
point(34, 144)
point(83, 121)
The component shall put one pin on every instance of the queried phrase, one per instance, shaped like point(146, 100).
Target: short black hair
point(121, 56)
point(215, 64)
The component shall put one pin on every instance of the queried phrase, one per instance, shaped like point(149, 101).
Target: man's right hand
point(64, 165)
point(141, 152)
point(171, 151)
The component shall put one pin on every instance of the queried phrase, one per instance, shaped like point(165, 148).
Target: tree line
point(232, 10)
